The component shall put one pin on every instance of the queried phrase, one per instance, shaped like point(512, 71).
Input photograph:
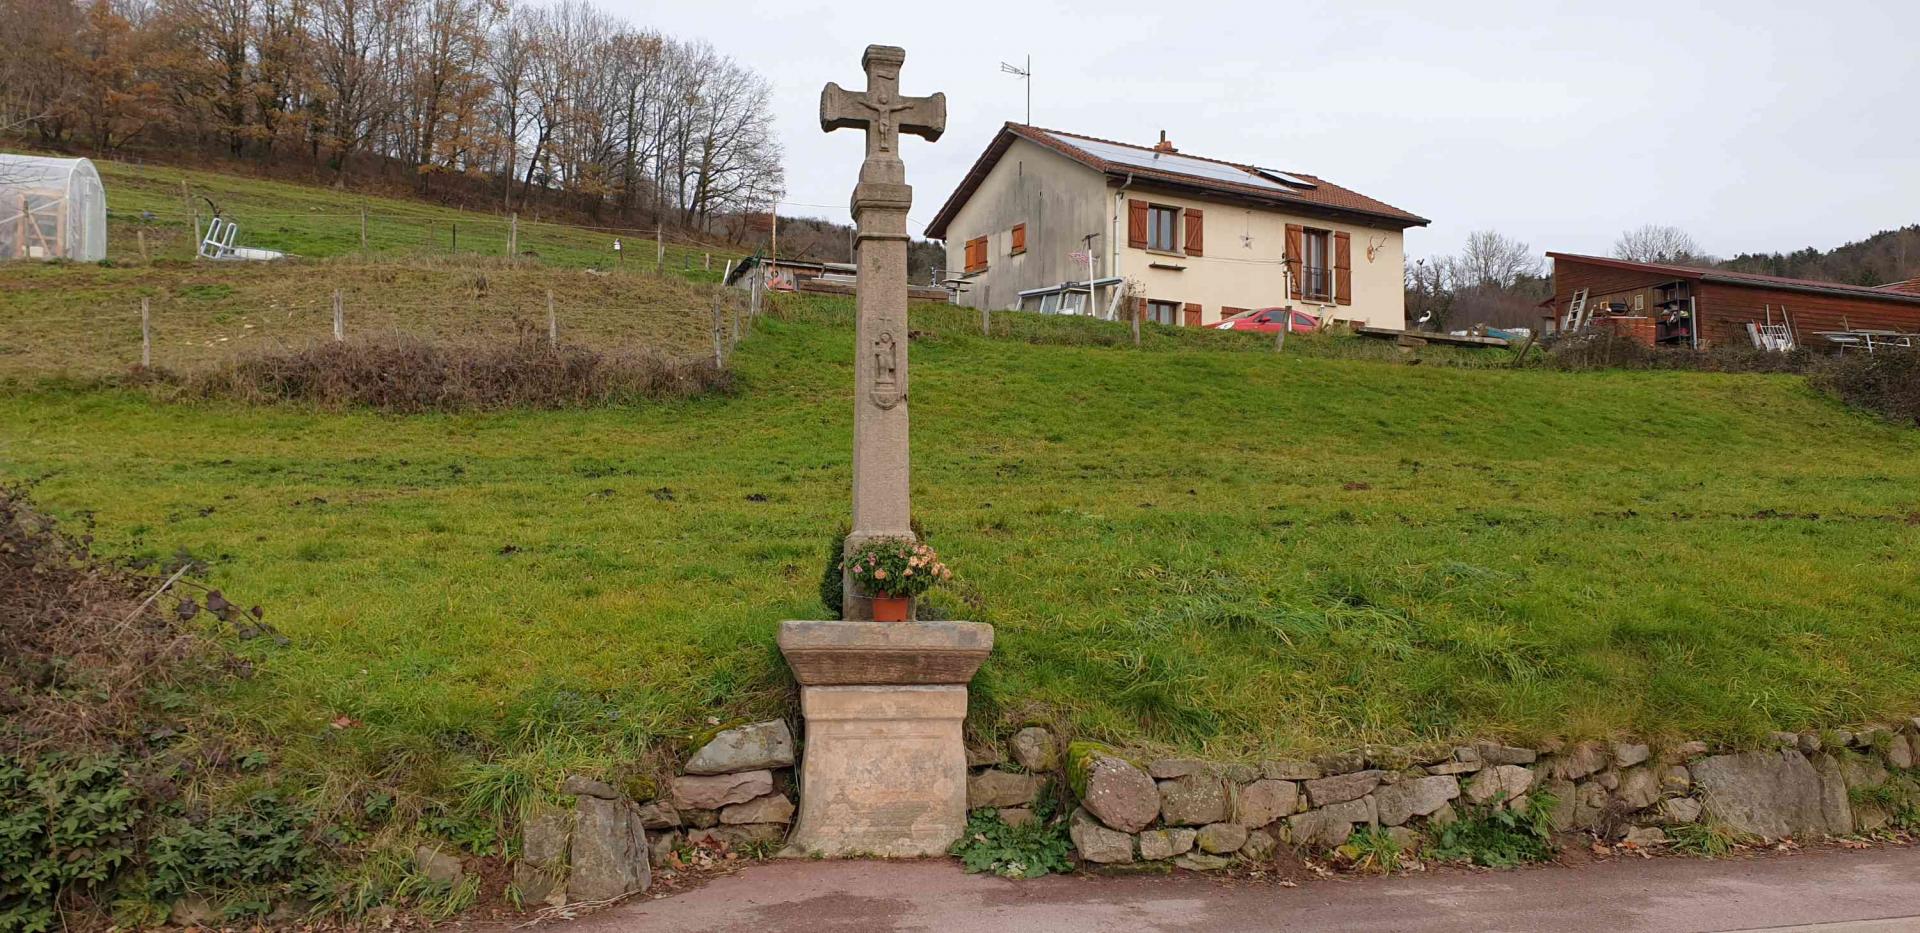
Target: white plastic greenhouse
point(51, 209)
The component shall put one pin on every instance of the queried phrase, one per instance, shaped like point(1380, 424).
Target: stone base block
point(884, 774)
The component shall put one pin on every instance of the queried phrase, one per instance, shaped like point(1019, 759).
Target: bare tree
point(1491, 259)
point(1657, 243)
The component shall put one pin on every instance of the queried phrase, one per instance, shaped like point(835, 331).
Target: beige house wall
point(1242, 266)
point(1061, 201)
point(1058, 199)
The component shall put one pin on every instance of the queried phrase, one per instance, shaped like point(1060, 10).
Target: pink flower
point(879, 575)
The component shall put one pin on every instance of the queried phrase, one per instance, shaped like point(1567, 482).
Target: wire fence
point(194, 332)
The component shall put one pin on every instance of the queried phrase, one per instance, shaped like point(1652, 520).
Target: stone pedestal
point(884, 772)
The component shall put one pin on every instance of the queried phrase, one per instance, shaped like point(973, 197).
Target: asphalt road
point(1831, 891)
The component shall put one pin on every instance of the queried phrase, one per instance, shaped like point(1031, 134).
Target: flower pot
point(892, 608)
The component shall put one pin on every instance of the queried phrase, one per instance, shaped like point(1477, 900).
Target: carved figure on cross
point(880, 110)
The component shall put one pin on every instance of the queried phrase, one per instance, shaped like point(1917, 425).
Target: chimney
point(1163, 145)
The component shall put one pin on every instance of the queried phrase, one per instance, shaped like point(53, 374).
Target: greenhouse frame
point(51, 209)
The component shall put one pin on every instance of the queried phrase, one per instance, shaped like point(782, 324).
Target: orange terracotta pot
point(892, 608)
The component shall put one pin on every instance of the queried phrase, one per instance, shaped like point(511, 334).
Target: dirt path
point(1874, 890)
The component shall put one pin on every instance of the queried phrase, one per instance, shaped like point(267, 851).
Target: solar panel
point(1184, 165)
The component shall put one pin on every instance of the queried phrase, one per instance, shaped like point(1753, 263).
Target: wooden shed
point(1694, 306)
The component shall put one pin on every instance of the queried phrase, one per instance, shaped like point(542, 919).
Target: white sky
point(1753, 125)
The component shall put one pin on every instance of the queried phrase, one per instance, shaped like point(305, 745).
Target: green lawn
point(1234, 553)
point(317, 222)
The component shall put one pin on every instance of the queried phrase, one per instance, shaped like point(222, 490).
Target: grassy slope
point(64, 319)
point(1234, 552)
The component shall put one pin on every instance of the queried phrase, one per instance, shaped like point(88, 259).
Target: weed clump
point(409, 376)
point(1031, 849)
point(1498, 837)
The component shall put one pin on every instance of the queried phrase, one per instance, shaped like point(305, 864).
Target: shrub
point(832, 583)
point(1887, 382)
point(406, 376)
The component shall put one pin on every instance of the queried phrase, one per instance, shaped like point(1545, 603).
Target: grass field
point(1238, 553)
point(83, 320)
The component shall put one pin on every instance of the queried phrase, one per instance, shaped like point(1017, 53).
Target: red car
point(1269, 320)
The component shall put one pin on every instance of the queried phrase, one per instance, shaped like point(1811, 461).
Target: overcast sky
point(1753, 125)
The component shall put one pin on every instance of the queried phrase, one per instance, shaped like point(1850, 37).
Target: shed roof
point(1171, 168)
point(1748, 279)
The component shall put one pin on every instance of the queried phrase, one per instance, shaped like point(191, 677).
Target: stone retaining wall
point(1202, 815)
point(737, 792)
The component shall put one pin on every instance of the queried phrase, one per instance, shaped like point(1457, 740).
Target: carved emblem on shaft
point(887, 390)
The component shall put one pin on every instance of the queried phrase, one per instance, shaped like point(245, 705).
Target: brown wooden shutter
point(1019, 238)
point(1296, 246)
point(976, 254)
point(1192, 314)
point(1342, 269)
point(1140, 309)
point(1194, 237)
point(1136, 224)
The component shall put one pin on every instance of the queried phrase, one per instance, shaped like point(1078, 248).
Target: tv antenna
point(1024, 74)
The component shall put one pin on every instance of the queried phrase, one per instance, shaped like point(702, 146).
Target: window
point(977, 254)
point(1315, 275)
point(1164, 312)
point(1160, 226)
point(1017, 240)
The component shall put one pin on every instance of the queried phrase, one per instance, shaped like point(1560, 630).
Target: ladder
point(1577, 315)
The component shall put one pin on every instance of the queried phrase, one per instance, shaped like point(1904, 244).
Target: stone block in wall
point(608, 855)
point(1342, 787)
point(1501, 782)
point(773, 808)
point(1639, 789)
point(1628, 754)
point(1675, 779)
point(1289, 769)
point(996, 788)
point(1161, 844)
point(755, 747)
point(659, 815)
point(1494, 754)
point(1166, 769)
point(661, 846)
point(1330, 825)
point(540, 874)
point(1096, 842)
point(1221, 838)
point(1579, 761)
point(1682, 753)
point(1680, 810)
point(711, 792)
point(1201, 861)
point(1194, 800)
point(1899, 752)
point(1341, 762)
point(1015, 816)
point(1771, 795)
point(1035, 749)
point(1264, 801)
point(1397, 803)
point(1259, 846)
point(1120, 795)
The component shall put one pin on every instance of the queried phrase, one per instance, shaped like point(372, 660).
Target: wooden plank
point(1391, 333)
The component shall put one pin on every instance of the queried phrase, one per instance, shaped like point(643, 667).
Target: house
point(1662, 303)
point(1058, 222)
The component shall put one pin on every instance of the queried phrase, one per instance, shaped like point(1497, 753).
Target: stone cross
point(881, 507)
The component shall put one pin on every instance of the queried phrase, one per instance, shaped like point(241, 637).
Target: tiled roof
point(1730, 277)
point(1323, 196)
point(1906, 286)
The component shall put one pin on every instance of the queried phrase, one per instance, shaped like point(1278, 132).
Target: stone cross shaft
point(881, 507)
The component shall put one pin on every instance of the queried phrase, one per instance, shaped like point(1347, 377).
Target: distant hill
point(1887, 256)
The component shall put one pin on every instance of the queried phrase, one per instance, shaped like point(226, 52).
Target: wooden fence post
point(1280, 336)
point(719, 359)
point(659, 245)
point(453, 246)
point(513, 242)
point(753, 294)
point(553, 323)
point(363, 228)
point(1138, 313)
point(339, 317)
point(986, 322)
point(141, 235)
point(706, 262)
point(146, 333)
